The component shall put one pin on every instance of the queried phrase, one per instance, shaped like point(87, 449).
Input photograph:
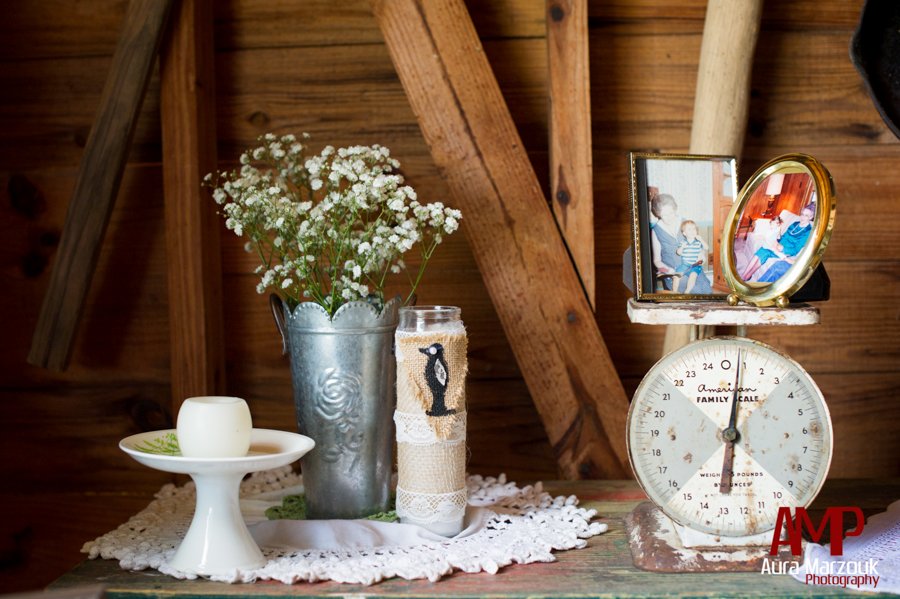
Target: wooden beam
point(510, 227)
point(98, 181)
point(723, 78)
point(571, 175)
point(187, 104)
point(723, 95)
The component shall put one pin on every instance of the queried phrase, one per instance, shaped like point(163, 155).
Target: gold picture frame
point(706, 188)
point(791, 266)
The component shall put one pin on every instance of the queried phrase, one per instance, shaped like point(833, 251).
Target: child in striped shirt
point(693, 253)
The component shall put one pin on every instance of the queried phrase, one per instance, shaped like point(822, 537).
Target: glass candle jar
point(430, 418)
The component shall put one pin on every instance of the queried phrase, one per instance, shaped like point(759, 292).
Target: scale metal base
point(657, 545)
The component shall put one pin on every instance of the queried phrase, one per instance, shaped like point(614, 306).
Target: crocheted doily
point(522, 525)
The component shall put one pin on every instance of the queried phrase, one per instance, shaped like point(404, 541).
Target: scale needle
point(730, 434)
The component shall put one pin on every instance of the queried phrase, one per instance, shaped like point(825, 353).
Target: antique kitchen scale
point(724, 431)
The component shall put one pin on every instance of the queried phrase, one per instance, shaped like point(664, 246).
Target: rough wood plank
point(73, 436)
point(275, 23)
point(805, 15)
point(351, 95)
point(722, 99)
point(522, 259)
point(44, 538)
point(51, 108)
point(799, 82)
point(861, 405)
point(807, 97)
point(61, 28)
point(124, 330)
point(98, 182)
point(859, 324)
point(571, 169)
point(188, 104)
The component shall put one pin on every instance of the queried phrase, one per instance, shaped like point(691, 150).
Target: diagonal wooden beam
point(511, 230)
point(187, 106)
point(571, 163)
point(98, 181)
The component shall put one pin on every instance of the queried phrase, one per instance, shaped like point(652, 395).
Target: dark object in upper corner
point(816, 289)
point(875, 52)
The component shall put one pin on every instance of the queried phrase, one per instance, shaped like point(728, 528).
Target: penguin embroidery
point(436, 375)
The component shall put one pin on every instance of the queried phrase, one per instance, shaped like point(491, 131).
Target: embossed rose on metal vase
point(339, 396)
point(338, 393)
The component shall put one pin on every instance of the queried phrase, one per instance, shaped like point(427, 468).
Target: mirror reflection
point(775, 225)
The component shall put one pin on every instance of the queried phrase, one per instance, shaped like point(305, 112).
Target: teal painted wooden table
point(603, 569)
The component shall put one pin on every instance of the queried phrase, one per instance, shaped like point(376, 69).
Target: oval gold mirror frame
point(777, 293)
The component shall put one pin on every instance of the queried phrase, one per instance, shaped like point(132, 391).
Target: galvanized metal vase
point(343, 372)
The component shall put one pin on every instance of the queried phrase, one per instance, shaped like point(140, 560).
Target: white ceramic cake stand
point(218, 541)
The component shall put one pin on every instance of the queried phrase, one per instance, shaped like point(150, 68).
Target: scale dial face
point(680, 421)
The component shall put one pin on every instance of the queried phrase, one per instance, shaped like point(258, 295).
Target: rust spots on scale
point(752, 519)
point(655, 547)
point(815, 429)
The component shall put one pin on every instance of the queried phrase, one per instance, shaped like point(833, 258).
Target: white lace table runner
point(505, 524)
point(870, 562)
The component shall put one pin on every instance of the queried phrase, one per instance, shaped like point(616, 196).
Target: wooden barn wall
point(322, 67)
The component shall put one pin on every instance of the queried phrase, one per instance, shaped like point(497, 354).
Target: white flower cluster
point(328, 227)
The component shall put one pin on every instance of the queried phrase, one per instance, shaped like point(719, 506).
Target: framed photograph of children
point(778, 230)
point(680, 205)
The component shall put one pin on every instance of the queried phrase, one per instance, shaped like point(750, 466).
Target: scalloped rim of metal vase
point(353, 316)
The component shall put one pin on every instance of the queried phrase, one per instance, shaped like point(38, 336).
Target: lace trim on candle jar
point(417, 429)
point(431, 507)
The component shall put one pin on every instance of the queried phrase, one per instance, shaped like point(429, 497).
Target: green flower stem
point(426, 256)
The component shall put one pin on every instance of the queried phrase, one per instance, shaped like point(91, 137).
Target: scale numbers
point(679, 448)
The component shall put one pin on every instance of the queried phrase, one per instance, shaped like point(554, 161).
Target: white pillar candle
point(214, 427)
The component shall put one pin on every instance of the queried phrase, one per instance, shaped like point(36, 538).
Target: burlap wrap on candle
point(430, 417)
point(438, 468)
point(414, 395)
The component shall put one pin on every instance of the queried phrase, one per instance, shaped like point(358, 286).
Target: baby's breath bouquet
point(328, 227)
